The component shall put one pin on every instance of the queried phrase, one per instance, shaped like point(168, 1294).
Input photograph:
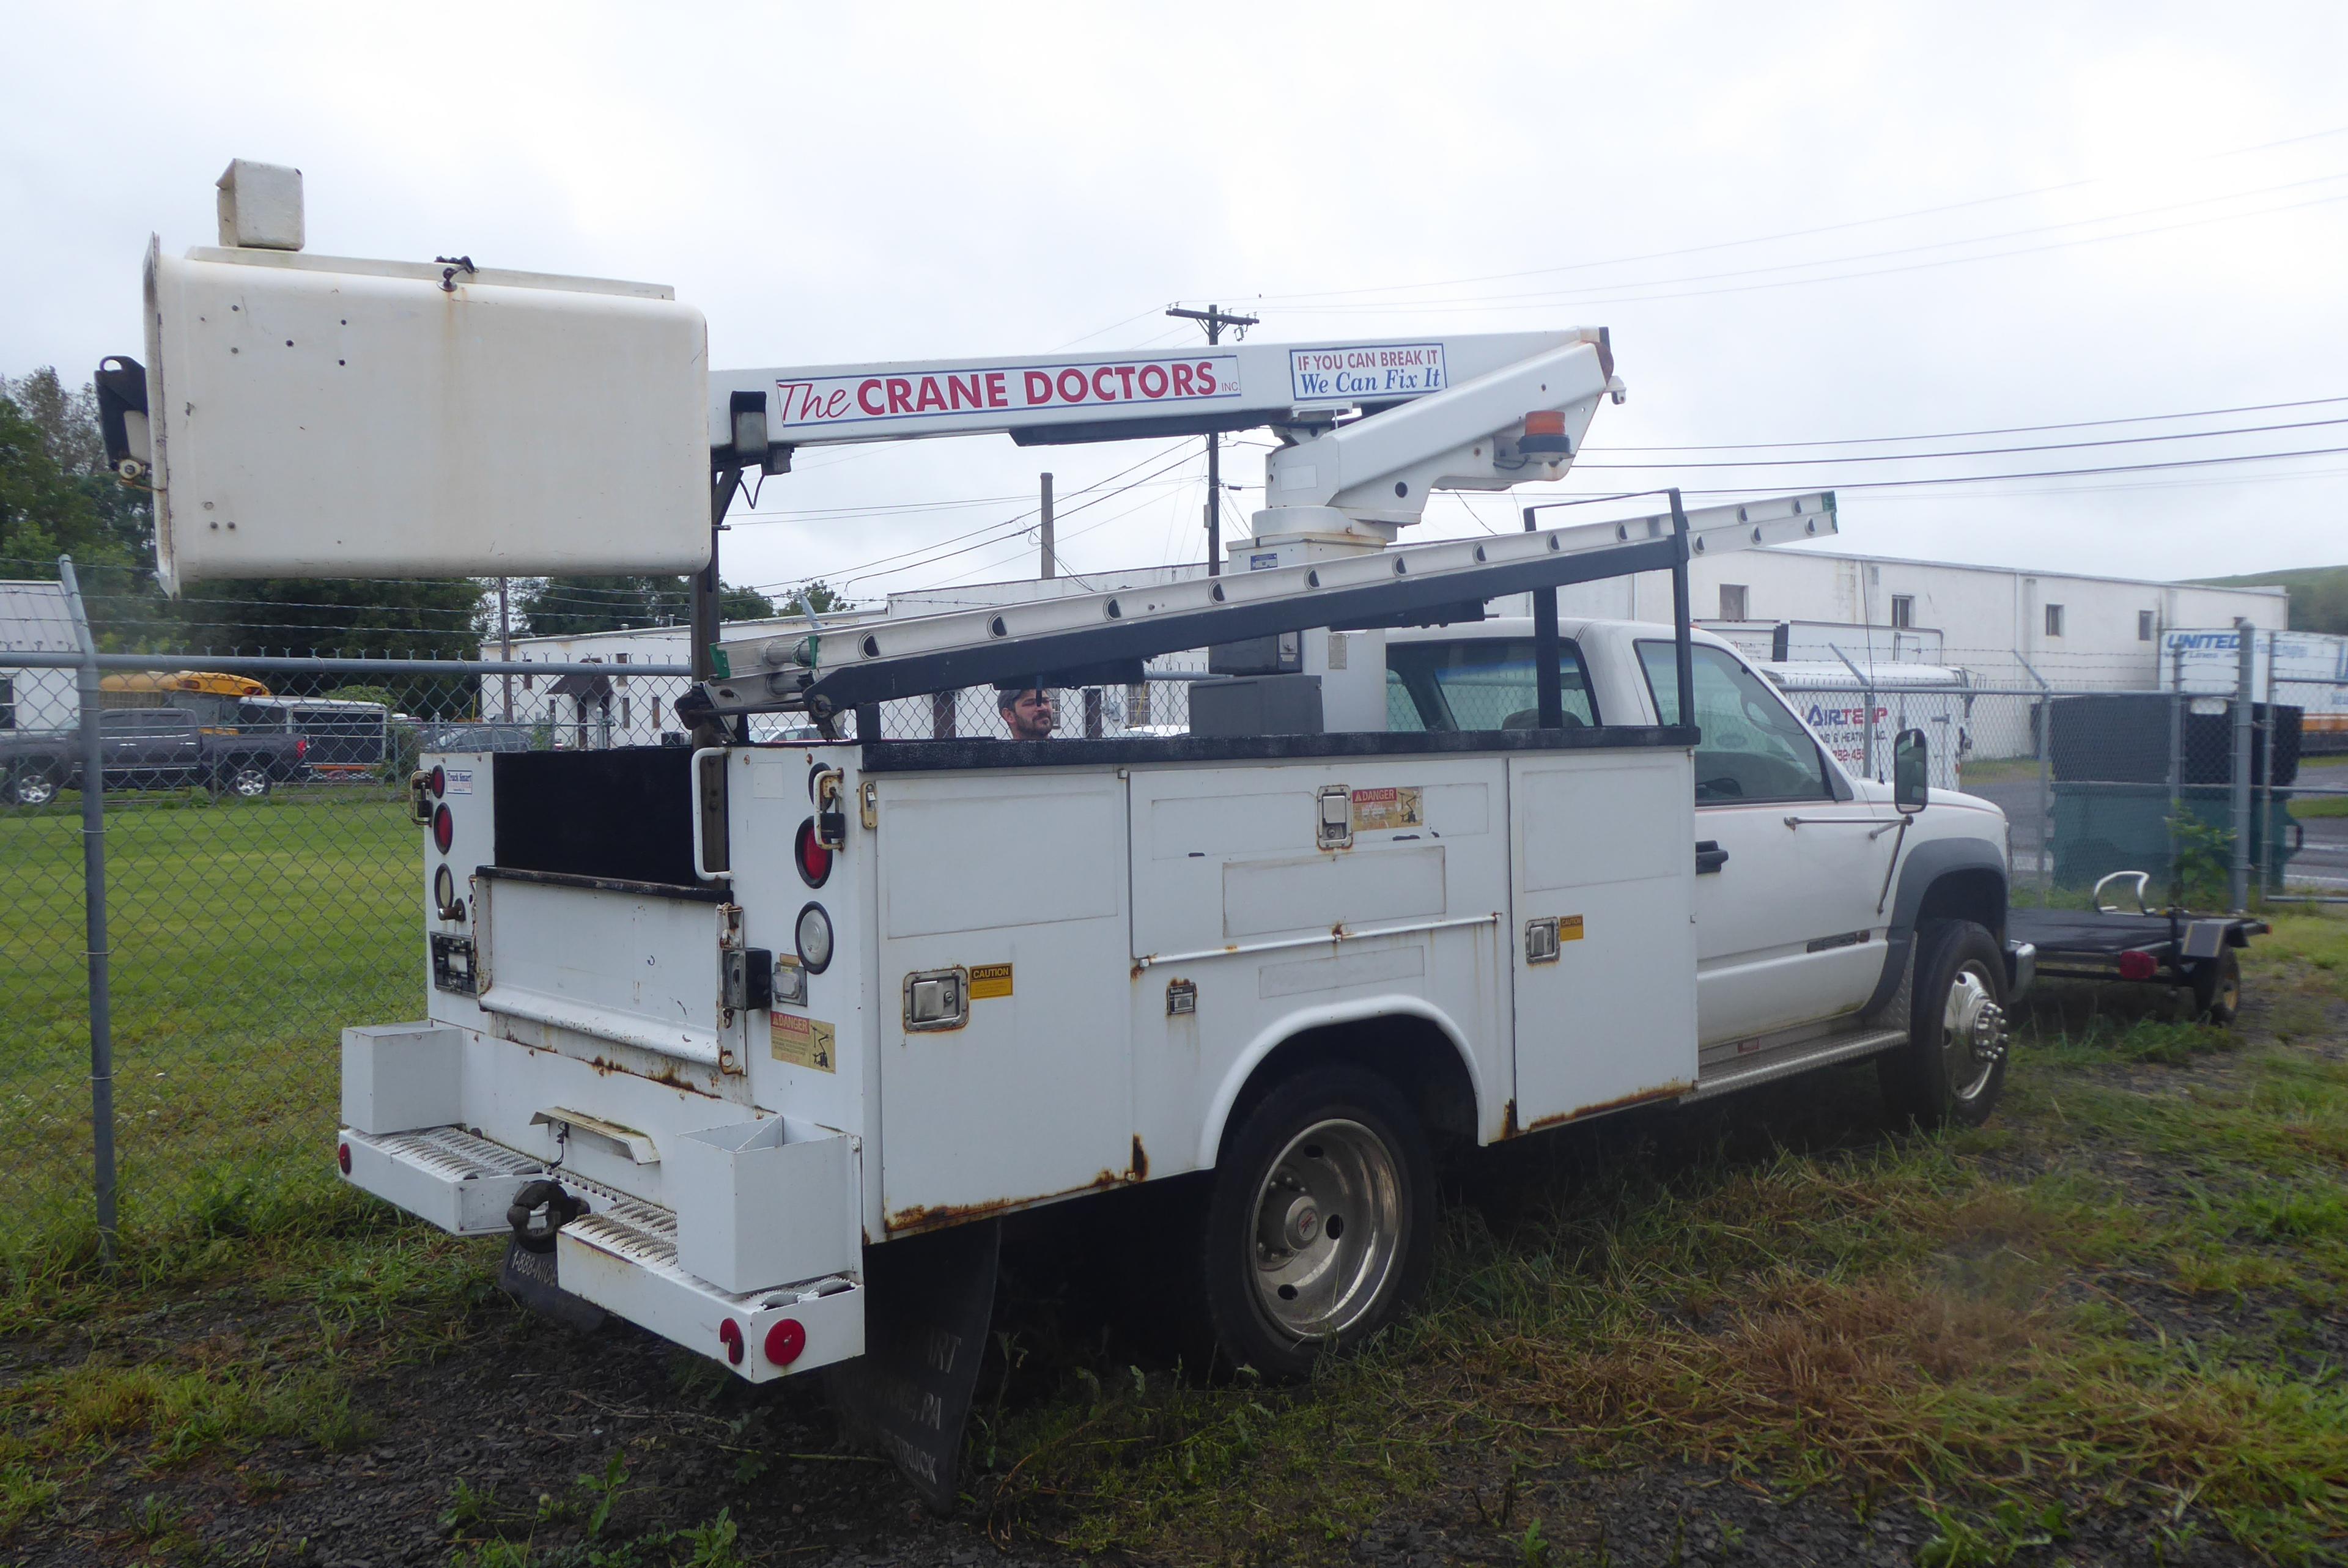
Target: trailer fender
point(1957, 877)
point(1307, 1031)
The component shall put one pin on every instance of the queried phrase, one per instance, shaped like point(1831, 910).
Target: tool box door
point(1605, 1000)
point(1002, 992)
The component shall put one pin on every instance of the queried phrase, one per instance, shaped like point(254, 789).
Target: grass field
point(2115, 1314)
point(245, 936)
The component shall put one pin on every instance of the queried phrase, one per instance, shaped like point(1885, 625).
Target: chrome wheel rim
point(249, 783)
point(1328, 1229)
point(33, 790)
point(1973, 1031)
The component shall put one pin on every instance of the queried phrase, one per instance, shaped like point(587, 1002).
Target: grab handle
point(700, 840)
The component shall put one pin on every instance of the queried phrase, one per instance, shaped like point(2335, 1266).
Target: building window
point(7, 703)
point(2144, 621)
point(1903, 609)
point(1734, 602)
point(2054, 620)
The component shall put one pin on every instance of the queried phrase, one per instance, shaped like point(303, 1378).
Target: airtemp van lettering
point(984, 390)
point(1373, 370)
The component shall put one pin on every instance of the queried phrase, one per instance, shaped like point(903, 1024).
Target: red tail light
point(729, 1334)
point(440, 782)
point(444, 829)
point(343, 1157)
point(785, 1340)
point(300, 747)
point(813, 856)
point(2137, 966)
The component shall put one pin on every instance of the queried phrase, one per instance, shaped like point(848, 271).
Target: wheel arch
point(1406, 1040)
point(1942, 879)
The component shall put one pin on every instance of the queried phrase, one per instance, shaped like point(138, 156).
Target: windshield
point(1484, 683)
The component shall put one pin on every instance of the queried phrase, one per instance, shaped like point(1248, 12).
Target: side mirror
point(1912, 772)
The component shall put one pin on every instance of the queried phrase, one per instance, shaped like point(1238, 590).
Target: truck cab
point(1800, 921)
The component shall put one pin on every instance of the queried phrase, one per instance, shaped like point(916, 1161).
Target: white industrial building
point(37, 617)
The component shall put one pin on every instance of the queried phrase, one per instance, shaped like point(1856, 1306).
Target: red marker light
point(1545, 422)
point(813, 856)
point(440, 782)
point(444, 829)
point(2137, 966)
point(343, 1157)
point(785, 1340)
point(729, 1334)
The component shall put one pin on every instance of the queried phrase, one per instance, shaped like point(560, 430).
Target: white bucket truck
point(717, 1035)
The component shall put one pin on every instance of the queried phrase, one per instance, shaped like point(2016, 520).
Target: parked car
point(149, 748)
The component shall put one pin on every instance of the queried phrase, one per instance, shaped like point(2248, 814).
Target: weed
point(25, 1495)
point(1532, 1547)
point(605, 1491)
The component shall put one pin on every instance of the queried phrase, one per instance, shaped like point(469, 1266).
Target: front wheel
point(1321, 1227)
point(1952, 1067)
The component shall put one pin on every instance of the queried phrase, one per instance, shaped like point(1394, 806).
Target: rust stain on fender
point(1509, 1128)
point(1139, 1170)
point(1645, 1096)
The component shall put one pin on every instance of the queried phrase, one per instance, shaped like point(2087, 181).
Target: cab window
point(1752, 749)
point(1482, 685)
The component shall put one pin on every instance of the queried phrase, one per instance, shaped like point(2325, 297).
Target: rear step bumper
point(621, 1254)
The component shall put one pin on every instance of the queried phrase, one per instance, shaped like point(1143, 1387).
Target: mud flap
point(928, 1302)
point(529, 1277)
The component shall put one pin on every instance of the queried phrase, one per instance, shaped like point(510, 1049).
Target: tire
point(1320, 1230)
point(30, 786)
point(244, 779)
point(2218, 988)
point(1953, 1069)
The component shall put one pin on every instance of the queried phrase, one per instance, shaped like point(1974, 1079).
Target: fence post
point(93, 876)
point(2268, 842)
point(2045, 783)
point(2175, 768)
point(2238, 885)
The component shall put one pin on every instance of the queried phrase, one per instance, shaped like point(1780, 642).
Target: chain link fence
point(260, 877)
point(261, 892)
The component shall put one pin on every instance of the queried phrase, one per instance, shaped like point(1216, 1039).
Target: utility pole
point(1216, 320)
point(1050, 568)
point(505, 646)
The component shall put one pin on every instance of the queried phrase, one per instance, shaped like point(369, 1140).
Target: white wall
point(1986, 615)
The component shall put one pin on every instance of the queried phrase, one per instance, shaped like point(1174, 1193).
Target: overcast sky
point(1802, 224)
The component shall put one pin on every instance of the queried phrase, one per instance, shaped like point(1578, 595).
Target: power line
point(1966, 434)
point(1971, 452)
point(1787, 234)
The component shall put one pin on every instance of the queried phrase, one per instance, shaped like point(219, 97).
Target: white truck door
point(1787, 932)
point(1001, 990)
point(1603, 943)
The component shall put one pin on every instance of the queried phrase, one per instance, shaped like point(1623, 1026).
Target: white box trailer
point(1861, 714)
point(2303, 670)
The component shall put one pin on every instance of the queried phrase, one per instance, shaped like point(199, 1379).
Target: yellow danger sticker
point(801, 1041)
point(1376, 810)
point(1569, 927)
point(988, 980)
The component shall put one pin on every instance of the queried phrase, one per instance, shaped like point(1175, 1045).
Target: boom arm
point(1370, 427)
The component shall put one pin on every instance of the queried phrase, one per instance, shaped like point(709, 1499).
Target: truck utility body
point(725, 1038)
point(756, 1009)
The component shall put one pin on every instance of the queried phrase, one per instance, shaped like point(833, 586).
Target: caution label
point(988, 980)
point(1377, 810)
point(802, 1042)
point(1569, 927)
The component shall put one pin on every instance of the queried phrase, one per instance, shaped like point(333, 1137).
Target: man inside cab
point(1027, 711)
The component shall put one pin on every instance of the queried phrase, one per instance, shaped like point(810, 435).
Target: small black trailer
point(2179, 948)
